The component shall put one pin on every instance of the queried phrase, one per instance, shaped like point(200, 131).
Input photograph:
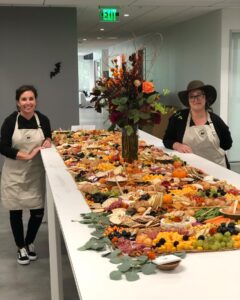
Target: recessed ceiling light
point(84, 39)
point(101, 29)
point(126, 15)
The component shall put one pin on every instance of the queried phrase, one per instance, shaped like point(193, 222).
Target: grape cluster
point(230, 227)
point(118, 234)
point(215, 242)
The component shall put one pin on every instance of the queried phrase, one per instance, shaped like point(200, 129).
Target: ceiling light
point(84, 39)
point(101, 29)
point(126, 15)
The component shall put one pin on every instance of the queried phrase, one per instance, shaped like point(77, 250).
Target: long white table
point(199, 276)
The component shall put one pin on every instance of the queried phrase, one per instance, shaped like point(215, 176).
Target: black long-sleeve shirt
point(177, 125)
point(8, 127)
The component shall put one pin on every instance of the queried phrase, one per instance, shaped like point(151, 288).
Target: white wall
point(230, 107)
point(230, 22)
point(32, 40)
point(85, 73)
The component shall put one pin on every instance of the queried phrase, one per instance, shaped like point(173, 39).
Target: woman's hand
point(27, 156)
point(34, 152)
point(182, 148)
point(46, 143)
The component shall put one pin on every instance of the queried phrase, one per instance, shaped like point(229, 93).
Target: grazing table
point(213, 275)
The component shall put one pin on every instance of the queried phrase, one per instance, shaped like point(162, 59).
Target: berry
point(161, 242)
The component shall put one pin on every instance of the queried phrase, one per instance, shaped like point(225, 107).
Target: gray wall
point(192, 50)
point(189, 50)
point(32, 40)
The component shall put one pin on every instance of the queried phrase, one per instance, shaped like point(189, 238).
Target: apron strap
point(37, 120)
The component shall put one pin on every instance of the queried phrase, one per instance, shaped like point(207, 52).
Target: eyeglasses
point(196, 97)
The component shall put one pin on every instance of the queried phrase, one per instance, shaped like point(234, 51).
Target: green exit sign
point(109, 14)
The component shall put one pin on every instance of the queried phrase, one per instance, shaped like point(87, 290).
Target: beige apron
point(23, 181)
point(204, 141)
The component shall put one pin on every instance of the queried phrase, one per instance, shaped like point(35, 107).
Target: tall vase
point(130, 145)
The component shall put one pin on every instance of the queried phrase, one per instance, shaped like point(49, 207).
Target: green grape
point(218, 236)
point(213, 247)
point(223, 245)
point(227, 233)
point(217, 245)
point(211, 239)
point(206, 246)
point(225, 239)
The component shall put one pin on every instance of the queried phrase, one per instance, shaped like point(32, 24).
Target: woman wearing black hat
point(196, 129)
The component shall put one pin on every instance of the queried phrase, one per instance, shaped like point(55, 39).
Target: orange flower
point(148, 87)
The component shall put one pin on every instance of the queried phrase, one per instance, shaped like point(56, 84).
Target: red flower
point(115, 116)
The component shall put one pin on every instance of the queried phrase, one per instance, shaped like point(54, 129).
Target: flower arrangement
point(130, 100)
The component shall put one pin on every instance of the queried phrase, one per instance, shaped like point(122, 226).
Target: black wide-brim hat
point(209, 91)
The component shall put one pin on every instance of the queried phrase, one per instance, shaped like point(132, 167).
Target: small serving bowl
point(230, 215)
point(167, 262)
point(168, 266)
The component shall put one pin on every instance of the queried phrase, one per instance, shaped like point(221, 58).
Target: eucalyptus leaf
point(97, 234)
point(98, 246)
point(132, 276)
point(115, 275)
point(127, 258)
point(180, 254)
point(142, 259)
point(115, 253)
point(91, 226)
point(115, 260)
point(86, 246)
point(86, 221)
point(124, 267)
point(149, 269)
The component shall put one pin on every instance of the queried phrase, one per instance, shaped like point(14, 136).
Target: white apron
point(23, 181)
point(204, 141)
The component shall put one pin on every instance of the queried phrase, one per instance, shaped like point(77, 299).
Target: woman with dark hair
point(197, 129)
point(23, 134)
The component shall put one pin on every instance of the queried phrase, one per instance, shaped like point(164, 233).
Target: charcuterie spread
point(157, 205)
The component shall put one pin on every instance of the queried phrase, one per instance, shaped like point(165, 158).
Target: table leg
point(54, 238)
